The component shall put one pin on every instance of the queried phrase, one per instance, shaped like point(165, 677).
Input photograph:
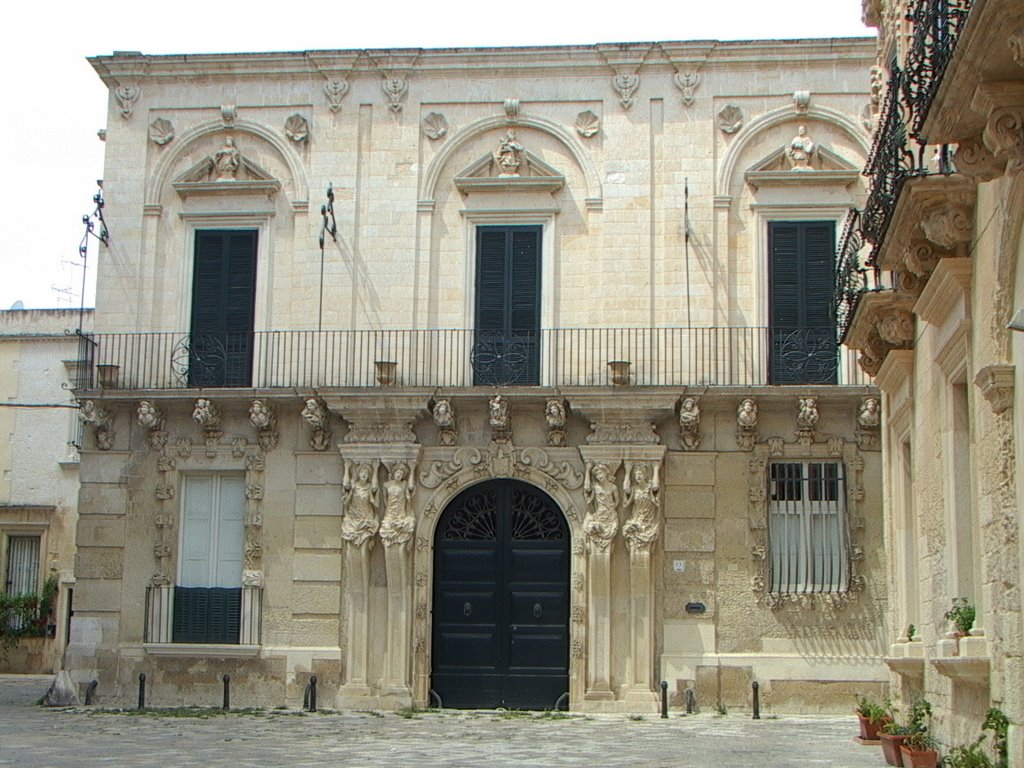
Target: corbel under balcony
point(964, 659)
point(906, 658)
point(883, 322)
point(619, 420)
point(933, 218)
point(380, 417)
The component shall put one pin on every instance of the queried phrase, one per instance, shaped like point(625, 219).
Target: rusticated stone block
point(99, 563)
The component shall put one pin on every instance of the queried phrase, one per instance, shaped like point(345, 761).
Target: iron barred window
point(807, 527)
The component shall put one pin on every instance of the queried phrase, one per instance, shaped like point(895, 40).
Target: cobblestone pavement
point(36, 737)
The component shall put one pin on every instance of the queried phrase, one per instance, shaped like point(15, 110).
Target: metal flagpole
point(327, 227)
point(686, 238)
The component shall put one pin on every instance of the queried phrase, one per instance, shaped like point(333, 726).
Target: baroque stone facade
point(943, 338)
point(337, 441)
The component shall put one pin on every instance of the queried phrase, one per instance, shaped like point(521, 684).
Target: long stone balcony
point(645, 357)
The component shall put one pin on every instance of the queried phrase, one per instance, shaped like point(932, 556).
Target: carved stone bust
point(746, 414)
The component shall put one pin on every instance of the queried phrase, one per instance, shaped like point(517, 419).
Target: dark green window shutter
point(223, 308)
point(819, 273)
point(507, 333)
point(207, 615)
point(801, 259)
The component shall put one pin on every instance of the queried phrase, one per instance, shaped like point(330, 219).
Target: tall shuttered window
point(801, 307)
point(807, 527)
point(223, 308)
point(208, 597)
point(506, 346)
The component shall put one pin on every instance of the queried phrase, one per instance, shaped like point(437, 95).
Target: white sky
point(55, 103)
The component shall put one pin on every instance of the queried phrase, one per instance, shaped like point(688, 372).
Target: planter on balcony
point(387, 372)
point(619, 370)
point(108, 375)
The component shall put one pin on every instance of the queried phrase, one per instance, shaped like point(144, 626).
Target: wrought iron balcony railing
point(889, 164)
point(851, 279)
point(935, 29)
point(749, 356)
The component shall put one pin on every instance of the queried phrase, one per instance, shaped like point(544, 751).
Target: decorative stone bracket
point(95, 415)
point(379, 418)
point(616, 421)
point(996, 383)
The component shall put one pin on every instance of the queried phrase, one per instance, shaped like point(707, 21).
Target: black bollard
point(227, 692)
point(757, 700)
point(664, 700)
point(312, 693)
point(142, 690)
point(90, 692)
point(689, 701)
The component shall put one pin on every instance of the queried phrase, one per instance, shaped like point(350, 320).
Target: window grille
point(807, 528)
point(22, 576)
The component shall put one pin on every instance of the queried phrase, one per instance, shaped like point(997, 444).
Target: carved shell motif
point(296, 128)
point(161, 131)
point(730, 119)
point(587, 124)
point(435, 126)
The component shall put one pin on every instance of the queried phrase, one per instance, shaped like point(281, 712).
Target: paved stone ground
point(36, 737)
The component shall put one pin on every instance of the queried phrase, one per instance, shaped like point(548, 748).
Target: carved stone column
point(623, 435)
point(380, 437)
point(361, 500)
point(600, 526)
point(642, 497)
point(397, 533)
point(357, 589)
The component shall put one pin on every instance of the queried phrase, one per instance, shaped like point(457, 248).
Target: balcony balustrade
point(854, 276)
point(713, 356)
point(935, 29)
point(889, 164)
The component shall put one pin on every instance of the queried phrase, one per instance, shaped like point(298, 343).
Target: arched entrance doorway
point(501, 599)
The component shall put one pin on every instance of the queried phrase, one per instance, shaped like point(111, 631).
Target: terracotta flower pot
point(919, 758)
point(891, 748)
point(869, 730)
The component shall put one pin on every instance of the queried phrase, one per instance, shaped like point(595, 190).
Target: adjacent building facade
point(934, 312)
point(479, 378)
point(39, 475)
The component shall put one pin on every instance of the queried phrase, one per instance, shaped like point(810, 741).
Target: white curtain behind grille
point(22, 565)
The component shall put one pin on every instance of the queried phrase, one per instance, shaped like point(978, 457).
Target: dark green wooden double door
point(501, 599)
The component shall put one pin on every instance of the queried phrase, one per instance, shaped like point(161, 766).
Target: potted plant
point(997, 722)
point(919, 751)
point(892, 735)
point(872, 716)
point(919, 748)
point(973, 755)
point(962, 615)
point(968, 756)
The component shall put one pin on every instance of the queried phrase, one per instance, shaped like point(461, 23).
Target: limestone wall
point(38, 460)
point(403, 256)
point(714, 522)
